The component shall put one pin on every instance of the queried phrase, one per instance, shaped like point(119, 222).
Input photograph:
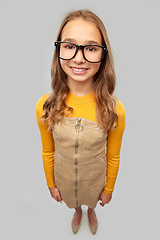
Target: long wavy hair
point(55, 109)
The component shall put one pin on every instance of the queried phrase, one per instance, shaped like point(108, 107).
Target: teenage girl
point(81, 122)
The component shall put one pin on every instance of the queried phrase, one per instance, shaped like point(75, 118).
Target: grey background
point(28, 29)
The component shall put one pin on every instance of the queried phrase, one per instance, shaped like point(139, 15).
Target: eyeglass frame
point(81, 47)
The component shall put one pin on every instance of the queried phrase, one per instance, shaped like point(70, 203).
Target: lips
point(79, 70)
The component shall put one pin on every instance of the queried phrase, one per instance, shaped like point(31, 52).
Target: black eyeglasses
point(91, 53)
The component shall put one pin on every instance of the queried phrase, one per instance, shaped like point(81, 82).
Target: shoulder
point(39, 105)
point(120, 110)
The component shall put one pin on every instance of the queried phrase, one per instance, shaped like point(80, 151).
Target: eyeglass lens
point(92, 53)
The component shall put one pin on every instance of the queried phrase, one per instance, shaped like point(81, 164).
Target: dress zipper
point(78, 128)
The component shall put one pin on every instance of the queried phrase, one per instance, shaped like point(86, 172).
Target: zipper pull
point(79, 127)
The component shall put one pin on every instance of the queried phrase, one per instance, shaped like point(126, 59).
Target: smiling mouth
point(79, 70)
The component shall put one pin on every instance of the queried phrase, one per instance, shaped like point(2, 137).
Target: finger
point(56, 198)
point(102, 204)
point(59, 199)
point(59, 196)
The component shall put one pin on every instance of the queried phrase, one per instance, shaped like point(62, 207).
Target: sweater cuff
point(51, 185)
point(106, 191)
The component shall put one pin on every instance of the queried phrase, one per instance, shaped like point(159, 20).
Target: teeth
point(79, 70)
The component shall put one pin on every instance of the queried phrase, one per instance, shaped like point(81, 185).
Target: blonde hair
point(104, 81)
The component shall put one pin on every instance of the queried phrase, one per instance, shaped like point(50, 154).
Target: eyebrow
point(68, 40)
point(93, 42)
point(90, 42)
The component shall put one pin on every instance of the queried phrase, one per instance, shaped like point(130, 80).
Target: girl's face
point(80, 32)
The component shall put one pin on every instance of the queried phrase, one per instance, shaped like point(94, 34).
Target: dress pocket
point(98, 171)
point(57, 170)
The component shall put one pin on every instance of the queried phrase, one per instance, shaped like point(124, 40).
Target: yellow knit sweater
point(83, 107)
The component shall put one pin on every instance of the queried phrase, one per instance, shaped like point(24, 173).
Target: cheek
point(63, 64)
point(95, 67)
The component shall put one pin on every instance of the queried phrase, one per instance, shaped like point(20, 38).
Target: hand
point(105, 198)
point(55, 193)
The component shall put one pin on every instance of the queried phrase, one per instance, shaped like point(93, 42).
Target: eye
point(91, 49)
point(69, 46)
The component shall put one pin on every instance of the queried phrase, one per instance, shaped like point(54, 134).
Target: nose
point(79, 57)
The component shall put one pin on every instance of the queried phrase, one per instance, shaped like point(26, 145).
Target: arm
point(114, 141)
point(47, 150)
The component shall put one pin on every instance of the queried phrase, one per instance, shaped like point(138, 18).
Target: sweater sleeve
point(47, 143)
point(114, 141)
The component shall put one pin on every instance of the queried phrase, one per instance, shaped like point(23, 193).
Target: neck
point(80, 89)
